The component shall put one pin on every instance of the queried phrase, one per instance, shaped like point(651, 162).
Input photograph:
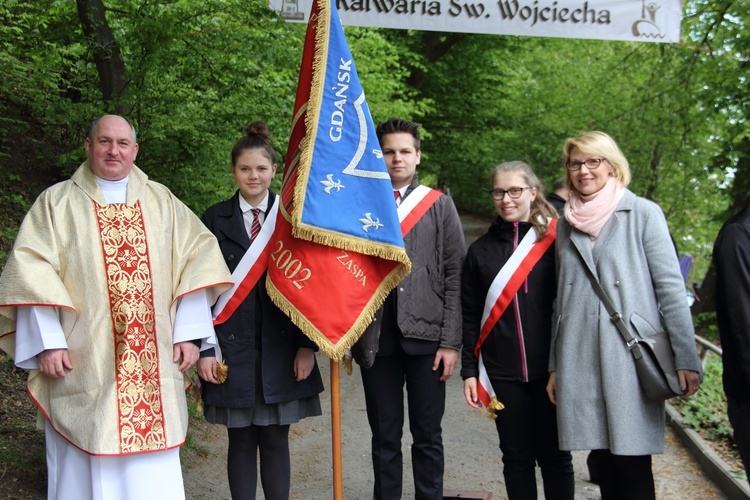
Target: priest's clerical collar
point(245, 206)
point(106, 185)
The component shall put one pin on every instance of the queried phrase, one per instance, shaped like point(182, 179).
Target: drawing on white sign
point(646, 26)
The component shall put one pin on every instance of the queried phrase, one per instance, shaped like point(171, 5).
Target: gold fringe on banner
point(336, 351)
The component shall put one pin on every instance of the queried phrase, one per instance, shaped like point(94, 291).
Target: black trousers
point(527, 428)
point(623, 477)
point(739, 416)
point(384, 394)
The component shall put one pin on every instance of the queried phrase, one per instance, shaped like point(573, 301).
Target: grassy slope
point(22, 456)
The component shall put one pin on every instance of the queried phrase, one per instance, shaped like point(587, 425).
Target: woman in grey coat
point(625, 241)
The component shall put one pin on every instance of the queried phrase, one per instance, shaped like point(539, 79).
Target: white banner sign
point(631, 20)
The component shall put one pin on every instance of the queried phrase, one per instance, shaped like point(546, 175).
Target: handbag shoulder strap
point(616, 318)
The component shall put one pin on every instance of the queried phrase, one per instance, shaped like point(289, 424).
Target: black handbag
point(654, 359)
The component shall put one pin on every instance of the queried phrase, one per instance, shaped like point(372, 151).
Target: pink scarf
point(589, 213)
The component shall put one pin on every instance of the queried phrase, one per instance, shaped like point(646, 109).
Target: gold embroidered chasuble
point(115, 271)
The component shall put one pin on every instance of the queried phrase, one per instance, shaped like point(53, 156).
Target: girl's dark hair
point(257, 136)
point(541, 210)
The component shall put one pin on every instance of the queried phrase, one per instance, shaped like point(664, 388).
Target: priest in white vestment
point(106, 299)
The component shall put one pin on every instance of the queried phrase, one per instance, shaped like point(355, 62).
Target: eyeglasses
point(591, 164)
point(514, 193)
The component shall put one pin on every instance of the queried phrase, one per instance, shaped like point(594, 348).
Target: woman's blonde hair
point(541, 210)
point(599, 145)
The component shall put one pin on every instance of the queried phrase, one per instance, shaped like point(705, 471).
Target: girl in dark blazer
point(515, 349)
point(272, 378)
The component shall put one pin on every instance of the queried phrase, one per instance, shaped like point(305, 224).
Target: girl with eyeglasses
point(625, 241)
point(507, 290)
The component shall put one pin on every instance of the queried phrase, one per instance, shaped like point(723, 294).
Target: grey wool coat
point(600, 404)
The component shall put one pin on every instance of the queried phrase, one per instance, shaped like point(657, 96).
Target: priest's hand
point(54, 362)
point(189, 353)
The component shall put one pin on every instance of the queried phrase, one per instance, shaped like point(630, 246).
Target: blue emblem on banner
point(348, 188)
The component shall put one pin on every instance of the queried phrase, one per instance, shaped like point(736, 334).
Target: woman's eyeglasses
point(591, 164)
point(514, 193)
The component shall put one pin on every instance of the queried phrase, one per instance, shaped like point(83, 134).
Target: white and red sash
point(502, 290)
point(249, 270)
point(415, 206)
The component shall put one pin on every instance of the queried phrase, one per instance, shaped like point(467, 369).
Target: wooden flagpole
point(338, 487)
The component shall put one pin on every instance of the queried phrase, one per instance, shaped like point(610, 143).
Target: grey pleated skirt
point(287, 413)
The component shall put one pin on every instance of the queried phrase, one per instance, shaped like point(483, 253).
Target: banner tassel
point(494, 406)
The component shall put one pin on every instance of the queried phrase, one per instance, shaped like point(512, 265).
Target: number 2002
point(290, 266)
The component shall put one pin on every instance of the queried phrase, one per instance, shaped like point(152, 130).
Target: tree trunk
point(112, 73)
point(653, 172)
point(435, 45)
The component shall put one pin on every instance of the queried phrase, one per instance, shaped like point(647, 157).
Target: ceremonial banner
point(630, 20)
point(337, 249)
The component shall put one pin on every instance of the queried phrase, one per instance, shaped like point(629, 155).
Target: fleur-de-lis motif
point(331, 184)
point(368, 222)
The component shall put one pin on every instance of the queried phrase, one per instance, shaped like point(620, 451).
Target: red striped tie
point(396, 196)
point(255, 228)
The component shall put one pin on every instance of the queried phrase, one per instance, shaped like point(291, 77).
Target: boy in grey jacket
point(416, 335)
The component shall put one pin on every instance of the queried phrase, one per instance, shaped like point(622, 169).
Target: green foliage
point(706, 410)
point(45, 81)
point(705, 326)
point(13, 205)
point(198, 73)
point(383, 70)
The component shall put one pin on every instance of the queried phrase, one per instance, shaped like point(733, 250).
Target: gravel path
point(472, 456)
